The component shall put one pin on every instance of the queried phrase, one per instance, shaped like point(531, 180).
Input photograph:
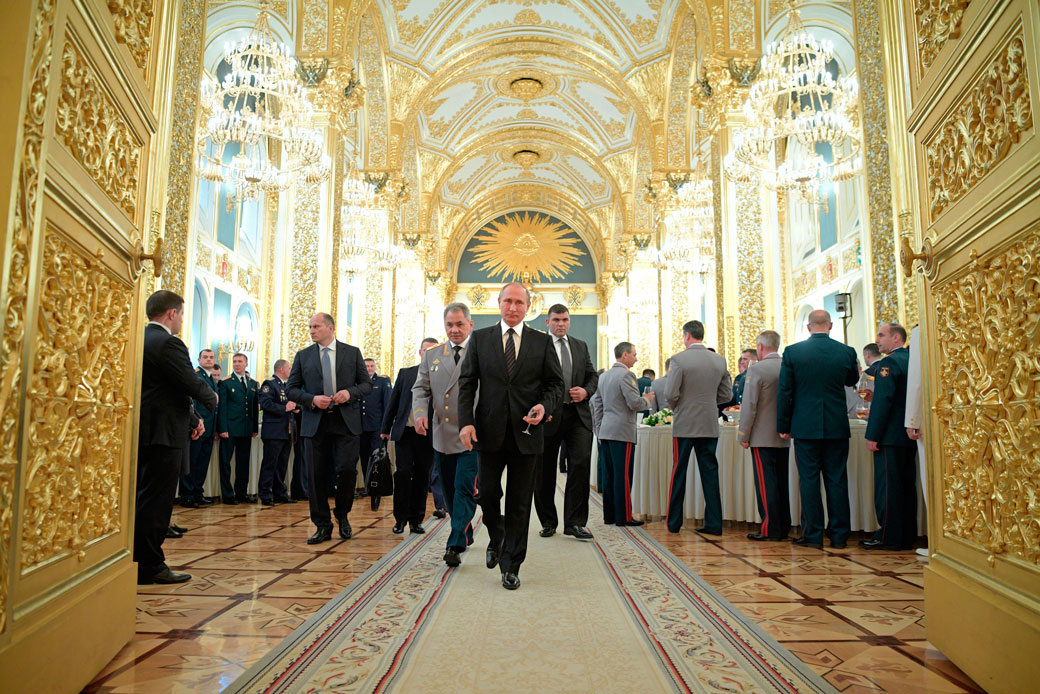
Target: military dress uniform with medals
point(277, 432)
point(201, 449)
point(239, 418)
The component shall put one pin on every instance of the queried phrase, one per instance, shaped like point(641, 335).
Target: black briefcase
point(379, 477)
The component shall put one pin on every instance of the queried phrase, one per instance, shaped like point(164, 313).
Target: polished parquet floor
point(856, 617)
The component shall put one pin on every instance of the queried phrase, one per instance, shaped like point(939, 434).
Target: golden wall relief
point(937, 22)
point(373, 317)
point(716, 192)
point(988, 323)
point(179, 213)
point(681, 310)
point(375, 103)
point(303, 298)
point(78, 405)
point(91, 127)
point(750, 268)
point(982, 130)
point(679, 113)
point(15, 293)
point(132, 20)
point(315, 25)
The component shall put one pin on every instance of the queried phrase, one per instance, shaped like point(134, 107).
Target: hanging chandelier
point(357, 221)
point(690, 246)
point(260, 105)
point(796, 99)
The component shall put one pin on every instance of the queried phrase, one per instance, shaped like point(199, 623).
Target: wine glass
point(528, 429)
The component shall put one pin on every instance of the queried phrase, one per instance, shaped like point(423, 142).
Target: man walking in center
point(277, 434)
point(570, 425)
point(698, 383)
point(328, 380)
point(238, 420)
point(811, 410)
point(516, 374)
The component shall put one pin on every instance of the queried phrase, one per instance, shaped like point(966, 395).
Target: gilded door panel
point(933, 29)
point(131, 23)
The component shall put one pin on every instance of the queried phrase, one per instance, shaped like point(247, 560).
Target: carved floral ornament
point(938, 21)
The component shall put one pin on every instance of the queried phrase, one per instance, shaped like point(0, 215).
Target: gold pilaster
point(303, 295)
point(750, 266)
point(720, 291)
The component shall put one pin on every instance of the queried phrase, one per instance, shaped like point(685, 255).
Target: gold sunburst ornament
point(529, 242)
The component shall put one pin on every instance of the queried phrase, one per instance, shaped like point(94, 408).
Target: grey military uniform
point(618, 402)
point(660, 390)
point(758, 408)
point(698, 383)
point(435, 396)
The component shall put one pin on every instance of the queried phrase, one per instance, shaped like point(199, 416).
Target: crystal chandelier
point(259, 104)
point(691, 241)
point(797, 99)
point(357, 221)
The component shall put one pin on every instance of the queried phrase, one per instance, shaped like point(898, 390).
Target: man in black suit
point(168, 423)
point(201, 451)
point(413, 452)
point(328, 381)
point(276, 432)
point(374, 407)
point(570, 424)
point(811, 410)
point(516, 374)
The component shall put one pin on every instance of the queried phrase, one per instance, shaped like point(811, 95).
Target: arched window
point(245, 331)
point(199, 320)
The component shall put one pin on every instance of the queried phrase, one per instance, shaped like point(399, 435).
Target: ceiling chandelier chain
point(797, 99)
point(259, 107)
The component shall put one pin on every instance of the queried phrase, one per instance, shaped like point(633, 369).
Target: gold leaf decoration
point(133, 27)
point(526, 242)
point(938, 21)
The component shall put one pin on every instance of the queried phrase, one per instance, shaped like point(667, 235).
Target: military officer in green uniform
point(201, 449)
point(238, 421)
point(895, 490)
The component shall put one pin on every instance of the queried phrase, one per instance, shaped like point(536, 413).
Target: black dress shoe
point(440, 513)
point(299, 498)
point(804, 542)
point(452, 558)
point(247, 499)
point(267, 502)
point(189, 503)
point(229, 500)
point(416, 528)
point(206, 501)
point(547, 531)
point(345, 531)
point(510, 581)
point(706, 531)
point(170, 532)
point(577, 532)
point(397, 529)
point(321, 535)
point(632, 523)
point(879, 545)
point(178, 528)
point(838, 545)
point(284, 500)
point(491, 557)
point(758, 537)
point(164, 577)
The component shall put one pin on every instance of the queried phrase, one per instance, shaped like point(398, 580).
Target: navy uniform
point(239, 418)
point(895, 491)
point(374, 407)
point(277, 431)
point(201, 449)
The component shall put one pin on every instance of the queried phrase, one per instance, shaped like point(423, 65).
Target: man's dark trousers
point(273, 468)
point(571, 433)
point(370, 442)
point(828, 457)
point(331, 454)
point(708, 466)
point(414, 457)
point(772, 490)
point(158, 468)
point(298, 486)
point(895, 495)
point(616, 482)
point(509, 534)
point(200, 453)
point(239, 447)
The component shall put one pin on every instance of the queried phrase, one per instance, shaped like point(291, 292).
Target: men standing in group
point(747, 358)
point(571, 425)
point(660, 389)
point(515, 373)
point(277, 432)
point(167, 423)
point(414, 452)
point(871, 356)
point(811, 409)
point(328, 379)
point(239, 422)
point(895, 490)
point(374, 407)
point(645, 384)
point(758, 432)
point(201, 450)
point(616, 403)
point(435, 403)
point(698, 383)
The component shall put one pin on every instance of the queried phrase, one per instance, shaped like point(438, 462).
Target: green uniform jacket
point(888, 408)
point(209, 417)
point(811, 395)
point(239, 410)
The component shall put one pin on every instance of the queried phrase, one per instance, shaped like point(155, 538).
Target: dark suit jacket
point(305, 382)
point(811, 396)
point(376, 404)
point(888, 407)
point(505, 400)
point(275, 424)
point(168, 384)
point(582, 375)
point(208, 416)
point(396, 418)
point(645, 385)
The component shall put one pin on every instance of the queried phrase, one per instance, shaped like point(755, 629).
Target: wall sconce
point(619, 277)
point(410, 239)
point(433, 276)
point(642, 240)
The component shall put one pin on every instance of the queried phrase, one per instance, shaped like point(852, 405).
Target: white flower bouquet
point(659, 418)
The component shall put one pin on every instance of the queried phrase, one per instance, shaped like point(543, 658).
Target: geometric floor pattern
point(854, 617)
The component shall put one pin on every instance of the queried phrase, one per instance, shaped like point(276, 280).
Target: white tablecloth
point(653, 469)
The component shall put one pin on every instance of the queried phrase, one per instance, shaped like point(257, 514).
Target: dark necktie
point(457, 349)
point(565, 363)
point(243, 379)
point(510, 351)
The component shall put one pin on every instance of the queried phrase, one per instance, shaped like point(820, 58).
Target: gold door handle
point(155, 256)
point(907, 257)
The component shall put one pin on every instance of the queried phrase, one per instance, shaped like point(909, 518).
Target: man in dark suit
point(276, 432)
point(516, 374)
point(328, 381)
point(570, 424)
point(239, 422)
point(374, 407)
point(811, 410)
point(645, 384)
point(413, 452)
point(298, 486)
point(895, 489)
point(167, 424)
point(201, 450)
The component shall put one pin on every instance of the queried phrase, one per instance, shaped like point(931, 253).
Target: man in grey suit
point(698, 383)
point(659, 388)
point(758, 432)
point(614, 407)
point(436, 394)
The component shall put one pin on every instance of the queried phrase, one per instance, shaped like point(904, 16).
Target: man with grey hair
point(434, 399)
point(769, 452)
point(277, 433)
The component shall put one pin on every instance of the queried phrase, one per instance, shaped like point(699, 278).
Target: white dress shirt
point(519, 330)
point(332, 361)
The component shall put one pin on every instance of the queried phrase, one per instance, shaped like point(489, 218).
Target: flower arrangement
point(659, 418)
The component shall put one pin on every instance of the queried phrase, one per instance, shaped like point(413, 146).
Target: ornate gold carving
point(303, 302)
point(981, 131)
point(650, 85)
point(906, 231)
point(989, 401)
point(526, 84)
point(375, 103)
point(680, 308)
point(852, 258)
point(478, 296)
point(405, 85)
point(133, 27)
point(78, 405)
point(204, 257)
point(315, 25)
point(938, 21)
point(574, 296)
point(526, 242)
point(679, 111)
point(94, 131)
point(373, 335)
point(742, 35)
point(716, 192)
point(750, 268)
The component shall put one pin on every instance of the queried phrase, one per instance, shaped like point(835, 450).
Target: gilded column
point(716, 203)
point(751, 317)
point(303, 295)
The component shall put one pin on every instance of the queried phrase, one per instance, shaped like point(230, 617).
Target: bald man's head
point(819, 321)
